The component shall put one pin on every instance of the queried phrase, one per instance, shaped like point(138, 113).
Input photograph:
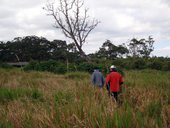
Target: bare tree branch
point(74, 24)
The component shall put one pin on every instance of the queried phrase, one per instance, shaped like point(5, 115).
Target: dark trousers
point(115, 95)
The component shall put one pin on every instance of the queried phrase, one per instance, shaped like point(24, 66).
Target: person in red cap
point(113, 82)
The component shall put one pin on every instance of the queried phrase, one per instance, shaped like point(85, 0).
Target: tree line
point(133, 55)
point(39, 48)
point(36, 48)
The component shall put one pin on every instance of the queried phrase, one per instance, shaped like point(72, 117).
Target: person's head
point(113, 68)
point(96, 68)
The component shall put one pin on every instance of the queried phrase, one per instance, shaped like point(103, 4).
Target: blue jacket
point(97, 78)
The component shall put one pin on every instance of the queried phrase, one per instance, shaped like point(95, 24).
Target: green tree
point(148, 47)
point(32, 48)
point(111, 51)
point(58, 50)
point(141, 47)
point(135, 47)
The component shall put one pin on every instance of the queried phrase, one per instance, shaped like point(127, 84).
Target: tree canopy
point(36, 48)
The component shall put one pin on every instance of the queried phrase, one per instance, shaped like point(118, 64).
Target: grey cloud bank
point(120, 21)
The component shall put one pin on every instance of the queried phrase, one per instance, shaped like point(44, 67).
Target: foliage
point(4, 65)
point(138, 64)
point(50, 66)
point(166, 66)
point(37, 48)
point(111, 51)
point(59, 57)
point(88, 67)
point(155, 64)
point(141, 48)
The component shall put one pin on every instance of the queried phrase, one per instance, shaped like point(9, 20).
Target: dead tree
point(72, 18)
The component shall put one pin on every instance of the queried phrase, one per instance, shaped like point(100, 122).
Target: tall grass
point(35, 99)
point(8, 94)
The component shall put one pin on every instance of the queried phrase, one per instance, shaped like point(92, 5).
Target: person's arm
point(121, 80)
point(107, 78)
point(103, 81)
point(107, 82)
point(93, 78)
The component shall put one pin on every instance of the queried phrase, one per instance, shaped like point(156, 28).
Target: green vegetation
point(5, 66)
point(50, 66)
point(77, 75)
point(43, 99)
point(59, 57)
point(8, 94)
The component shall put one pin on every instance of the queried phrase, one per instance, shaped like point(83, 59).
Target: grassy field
point(36, 99)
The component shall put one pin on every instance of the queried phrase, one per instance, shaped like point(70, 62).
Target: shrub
point(138, 64)
point(31, 66)
point(85, 67)
point(166, 66)
point(72, 67)
point(50, 66)
point(156, 64)
point(88, 67)
point(4, 65)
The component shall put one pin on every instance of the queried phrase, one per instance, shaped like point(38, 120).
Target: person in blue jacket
point(98, 80)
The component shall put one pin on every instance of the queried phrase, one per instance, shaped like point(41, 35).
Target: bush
point(166, 66)
point(138, 64)
point(31, 66)
point(71, 68)
point(4, 65)
point(156, 64)
point(50, 66)
point(86, 67)
point(119, 63)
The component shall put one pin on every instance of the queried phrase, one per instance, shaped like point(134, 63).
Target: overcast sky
point(121, 20)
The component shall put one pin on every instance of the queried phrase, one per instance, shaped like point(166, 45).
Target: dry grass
point(51, 100)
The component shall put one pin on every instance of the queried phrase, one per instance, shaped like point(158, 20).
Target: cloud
point(20, 4)
point(120, 21)
point(162, 51)
point(167, 2)
point(32, 20)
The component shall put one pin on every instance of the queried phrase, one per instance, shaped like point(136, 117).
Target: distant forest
point(134, 55)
